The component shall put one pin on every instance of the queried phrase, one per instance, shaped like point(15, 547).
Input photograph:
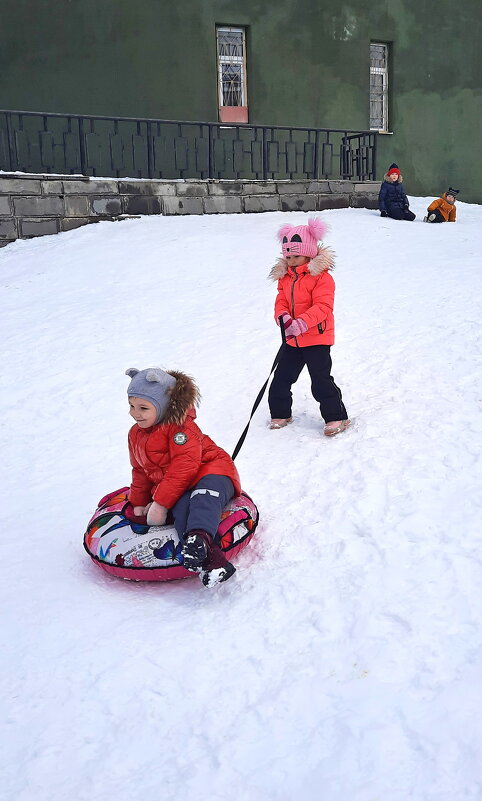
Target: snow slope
point(343, 661)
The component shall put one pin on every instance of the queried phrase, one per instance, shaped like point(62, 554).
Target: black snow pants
point(438, 216)
point(401, 214)
point(318, 361)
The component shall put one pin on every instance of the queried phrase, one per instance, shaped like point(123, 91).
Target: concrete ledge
point(39, 227)
point(298, 202)
point(368, 187)
point(258, 203)
point(142, 205)
point(186, 205)
point(76, 206)
point(107, 206)
point(38, 206)
point(189, 189)
point(19, 186)
point(52, 187)
point(226, 188)
point(7, 229)
point(35, 205)
point(5, 207)
point(259, 188)
point(146, 188)
point(91, 186)
point(333, 202)
point(314, 187)
point(75, 222)
point(359, 201)
point(290, 187)
point(341, 186)
point(222, 205)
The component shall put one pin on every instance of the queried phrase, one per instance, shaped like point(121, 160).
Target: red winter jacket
point(171, 457)
point(308, 292)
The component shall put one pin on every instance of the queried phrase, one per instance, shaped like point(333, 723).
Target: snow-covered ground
point(343, 661)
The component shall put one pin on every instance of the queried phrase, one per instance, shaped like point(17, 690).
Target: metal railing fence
point(119, 147)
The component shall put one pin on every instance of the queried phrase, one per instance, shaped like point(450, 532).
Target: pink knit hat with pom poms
point(302, 240)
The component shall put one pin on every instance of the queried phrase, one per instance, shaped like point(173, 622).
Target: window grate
point(378, 87)
point(231, 66)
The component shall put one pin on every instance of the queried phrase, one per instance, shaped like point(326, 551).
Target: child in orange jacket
point(305, 303)
point(443, 209)
point(176, 467)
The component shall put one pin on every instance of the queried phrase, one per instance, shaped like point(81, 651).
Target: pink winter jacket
point(307, 292)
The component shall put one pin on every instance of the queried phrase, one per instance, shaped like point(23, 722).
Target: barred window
point(378, 87)
point(231, 66)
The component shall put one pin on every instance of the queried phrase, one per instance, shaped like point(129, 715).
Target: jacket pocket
point(321, 327)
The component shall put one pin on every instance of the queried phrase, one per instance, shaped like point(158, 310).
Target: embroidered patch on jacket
point(180, 438)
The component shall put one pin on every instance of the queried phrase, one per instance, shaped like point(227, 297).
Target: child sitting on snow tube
point(176, 467)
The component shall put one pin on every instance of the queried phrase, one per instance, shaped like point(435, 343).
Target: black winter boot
point(195, 550)
point(216, 575)
point(202, 555)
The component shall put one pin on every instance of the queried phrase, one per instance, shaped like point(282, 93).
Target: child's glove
point(139, 511)
point(287, 320)
point(383, 214)
point(156, 514)
point(294, 328)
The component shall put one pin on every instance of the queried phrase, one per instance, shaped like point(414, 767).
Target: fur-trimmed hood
point(182, 397)
point(398, 181)
point(324, 260)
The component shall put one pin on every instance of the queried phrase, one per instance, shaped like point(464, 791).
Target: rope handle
point(262, 390)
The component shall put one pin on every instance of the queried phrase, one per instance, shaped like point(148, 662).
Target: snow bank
point(343, 661)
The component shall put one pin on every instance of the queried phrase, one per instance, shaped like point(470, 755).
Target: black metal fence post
point(150, 150)
point(82, 146)
point(316, 157)
point(11, 142)
point(210, 151)
point(264, 157)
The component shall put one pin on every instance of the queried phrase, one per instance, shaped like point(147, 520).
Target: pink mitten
point(287, 320)
point(296, 328)
point(139, 511)
point(156, 514)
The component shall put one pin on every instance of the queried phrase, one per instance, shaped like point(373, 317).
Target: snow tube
point(129, 549)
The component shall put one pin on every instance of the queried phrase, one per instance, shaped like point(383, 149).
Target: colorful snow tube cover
point(129, 549)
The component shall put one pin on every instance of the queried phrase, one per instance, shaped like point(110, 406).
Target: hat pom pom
point(131, 372)
point(284, 231)
point(317, 228)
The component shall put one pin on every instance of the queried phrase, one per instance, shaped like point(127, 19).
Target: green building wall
point(307, 64)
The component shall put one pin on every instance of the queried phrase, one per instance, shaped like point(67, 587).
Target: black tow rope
point(262, 390)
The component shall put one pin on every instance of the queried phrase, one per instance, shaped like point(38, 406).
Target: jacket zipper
point(293, 302)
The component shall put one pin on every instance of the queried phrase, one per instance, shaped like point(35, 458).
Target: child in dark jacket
point(176, 467)
point(392, 200)
point(443, 209)
point(305, 302)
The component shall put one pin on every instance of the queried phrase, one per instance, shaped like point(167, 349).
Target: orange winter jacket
point(170, 458)
point(307, 291)
point(446, 209)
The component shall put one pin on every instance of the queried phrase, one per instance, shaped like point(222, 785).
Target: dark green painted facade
point(308, 64)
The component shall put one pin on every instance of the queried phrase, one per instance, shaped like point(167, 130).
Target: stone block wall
point(35, 205)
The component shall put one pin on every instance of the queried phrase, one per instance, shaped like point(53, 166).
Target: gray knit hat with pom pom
point(154, 385)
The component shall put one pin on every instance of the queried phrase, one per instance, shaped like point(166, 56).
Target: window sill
point(233, 114)
point(385, 133)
